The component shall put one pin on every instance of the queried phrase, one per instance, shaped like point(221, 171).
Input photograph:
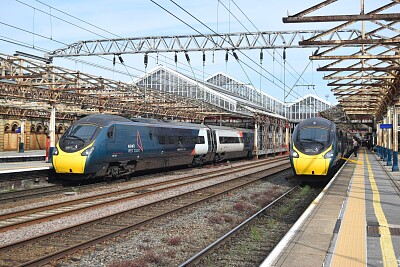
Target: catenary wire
point(220, 36)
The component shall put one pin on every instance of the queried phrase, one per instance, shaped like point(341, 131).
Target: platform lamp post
point(390, 139)
point(255, 136)
point(52, 131)
point(384, 139)
point(21, 147)
point(378, 140)
point(395, 166)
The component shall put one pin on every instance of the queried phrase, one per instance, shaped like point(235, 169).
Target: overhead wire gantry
point(200, 42)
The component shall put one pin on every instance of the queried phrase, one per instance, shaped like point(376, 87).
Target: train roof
point(102, 119)
point(107, 119)
point(168, 123)
point(316, 121)
point(216, 127)
point(183, 124)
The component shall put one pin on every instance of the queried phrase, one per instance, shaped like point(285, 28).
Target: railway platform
point(355, 221)
point(29, 155)
point(12, 161)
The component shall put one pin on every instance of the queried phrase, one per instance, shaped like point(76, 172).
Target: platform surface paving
point(356, 223)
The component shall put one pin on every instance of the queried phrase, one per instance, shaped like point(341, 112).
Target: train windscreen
point(77, 137)
point(313, 140)
point(314, 134)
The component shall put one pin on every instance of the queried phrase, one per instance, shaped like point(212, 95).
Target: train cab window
point(317, 134)
point(83, 132)
point(110, 132)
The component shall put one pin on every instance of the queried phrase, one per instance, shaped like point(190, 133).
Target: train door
point(110, 144)
point(212, 142)
point(211, 145)
point(152, 154)
point(164, 140)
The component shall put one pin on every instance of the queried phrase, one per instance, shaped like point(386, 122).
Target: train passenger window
point(161, 139)
point(188, 140)
point(110, 133)
point(230, 140)
point(171, 140)
point(198, 140)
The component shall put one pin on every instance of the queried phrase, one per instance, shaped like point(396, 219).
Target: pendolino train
point(316, 149)
point(111, 146)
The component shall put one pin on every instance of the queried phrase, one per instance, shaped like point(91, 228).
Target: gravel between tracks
point(171, 241)
point(166, 243)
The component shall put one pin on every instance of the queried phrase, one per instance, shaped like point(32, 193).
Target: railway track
point(250, 242)
point(15, 195)
point(30, 193)
point(46, 212)
point(48, 247)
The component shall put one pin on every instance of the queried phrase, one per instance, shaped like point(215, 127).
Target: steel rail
point(107, 198)
point(235, 230)
point(214, 191)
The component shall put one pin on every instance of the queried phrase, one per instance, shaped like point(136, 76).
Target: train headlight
point(294, 154)
point(55, 151)
point(88, 151)
point(329, 154)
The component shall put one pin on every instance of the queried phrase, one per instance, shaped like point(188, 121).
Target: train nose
point(311, 166)
point(69, 163)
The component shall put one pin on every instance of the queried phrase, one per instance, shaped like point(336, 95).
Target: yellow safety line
point(388, 255)
point(350, 248)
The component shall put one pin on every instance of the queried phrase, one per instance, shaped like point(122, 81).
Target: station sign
point(386, 126)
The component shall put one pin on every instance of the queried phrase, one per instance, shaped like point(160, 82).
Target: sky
point(36, 26)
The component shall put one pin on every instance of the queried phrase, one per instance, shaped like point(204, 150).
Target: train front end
point(312, 151)
point(74, 156)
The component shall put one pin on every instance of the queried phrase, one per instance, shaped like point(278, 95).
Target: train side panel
point(113, 146)
point(233, 143)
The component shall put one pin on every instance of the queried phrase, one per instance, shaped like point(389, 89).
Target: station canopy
point(363, 71)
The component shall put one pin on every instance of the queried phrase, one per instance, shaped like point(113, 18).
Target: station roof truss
point(30, 87)
point(364, 70)
point(164, 79)
point(200, 42)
